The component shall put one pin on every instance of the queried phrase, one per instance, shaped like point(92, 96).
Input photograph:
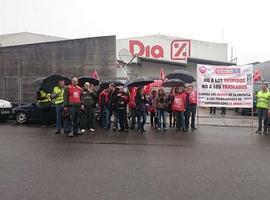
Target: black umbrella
point(36, 83)
point(182, 75)
point(105, 84)
point(50, 82)
point(91, 80)
point(140, 82)
point(173, 83)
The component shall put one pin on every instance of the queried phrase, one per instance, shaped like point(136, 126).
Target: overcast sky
point(242, 24)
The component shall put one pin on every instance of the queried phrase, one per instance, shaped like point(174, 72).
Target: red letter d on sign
point(132, 44)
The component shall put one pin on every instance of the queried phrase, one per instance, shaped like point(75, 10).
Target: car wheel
point(21, 117)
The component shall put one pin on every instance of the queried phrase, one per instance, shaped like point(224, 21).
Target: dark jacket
point(88, 99)
point(112, 100)
point(122, 100)
point(161, 102)
point(141, 102)
point(170, 100)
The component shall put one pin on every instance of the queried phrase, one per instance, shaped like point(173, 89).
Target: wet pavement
point(230, 119)
point(212, 163)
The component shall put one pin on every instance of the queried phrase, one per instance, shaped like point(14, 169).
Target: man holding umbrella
point(57, 97)
point(72, 103)
point(44, 101)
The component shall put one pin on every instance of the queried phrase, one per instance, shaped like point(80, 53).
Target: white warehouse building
point(171, 53)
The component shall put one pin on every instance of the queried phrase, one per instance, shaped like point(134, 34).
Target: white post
point(198, 124)
point(252, 118)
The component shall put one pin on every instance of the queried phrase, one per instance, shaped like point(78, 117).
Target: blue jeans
point(103, 118)
point(262, 115)
point(161, 116)
point(59, 109)
point(115, 121)
point(141, 119)
point(75, 114)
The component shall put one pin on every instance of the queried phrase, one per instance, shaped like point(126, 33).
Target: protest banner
point(225, 86)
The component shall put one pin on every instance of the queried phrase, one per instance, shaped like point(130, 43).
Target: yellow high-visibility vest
point(60, 95)
point(46, 95)
point(263, 99)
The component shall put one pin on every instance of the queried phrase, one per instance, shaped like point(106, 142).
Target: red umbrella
point(147, 89)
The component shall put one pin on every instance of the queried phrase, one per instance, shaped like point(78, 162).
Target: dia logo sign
point(155, 51)
point(175, 50)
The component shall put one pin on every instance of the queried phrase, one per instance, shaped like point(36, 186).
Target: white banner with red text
point(225, 86)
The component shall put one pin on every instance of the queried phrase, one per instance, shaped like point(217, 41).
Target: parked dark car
point(30, 113)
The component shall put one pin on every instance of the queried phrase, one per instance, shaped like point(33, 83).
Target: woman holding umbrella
point(141, 102)
point(178, 106)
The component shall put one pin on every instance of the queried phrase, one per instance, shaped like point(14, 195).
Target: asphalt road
point(216, 163)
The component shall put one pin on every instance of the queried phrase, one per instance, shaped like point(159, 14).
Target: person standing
point(121, 106)
point(161, 105)
point(171, 113)
point(192, 101)
point(57, 97)
point(72, 103)
point(113, 108)
point(262, 98)
point(178, 107)
point(103, 100)
point(152, 108)
point(223, 111)
point(141, 102)
point(132, 106)
point(187, 109)
point(92, 87)
point(44, 103)
point(88, 97)
point(213, 110)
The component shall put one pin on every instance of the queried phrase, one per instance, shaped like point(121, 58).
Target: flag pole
point(125, 71)
point(252, 120)
point(198, 122)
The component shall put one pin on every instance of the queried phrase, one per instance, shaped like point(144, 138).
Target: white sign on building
point(173, 49)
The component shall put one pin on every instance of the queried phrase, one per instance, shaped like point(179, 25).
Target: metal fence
point(18, 90)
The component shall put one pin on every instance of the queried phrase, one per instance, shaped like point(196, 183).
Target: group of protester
point(76, 107)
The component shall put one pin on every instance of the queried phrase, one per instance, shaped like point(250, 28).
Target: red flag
point(148, 88)
point(162, 74)
point(95, 75)
point(257, 75)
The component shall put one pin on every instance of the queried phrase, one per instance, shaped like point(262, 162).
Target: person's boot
point(258, 131)
point(57, 132)
point(70, 134)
